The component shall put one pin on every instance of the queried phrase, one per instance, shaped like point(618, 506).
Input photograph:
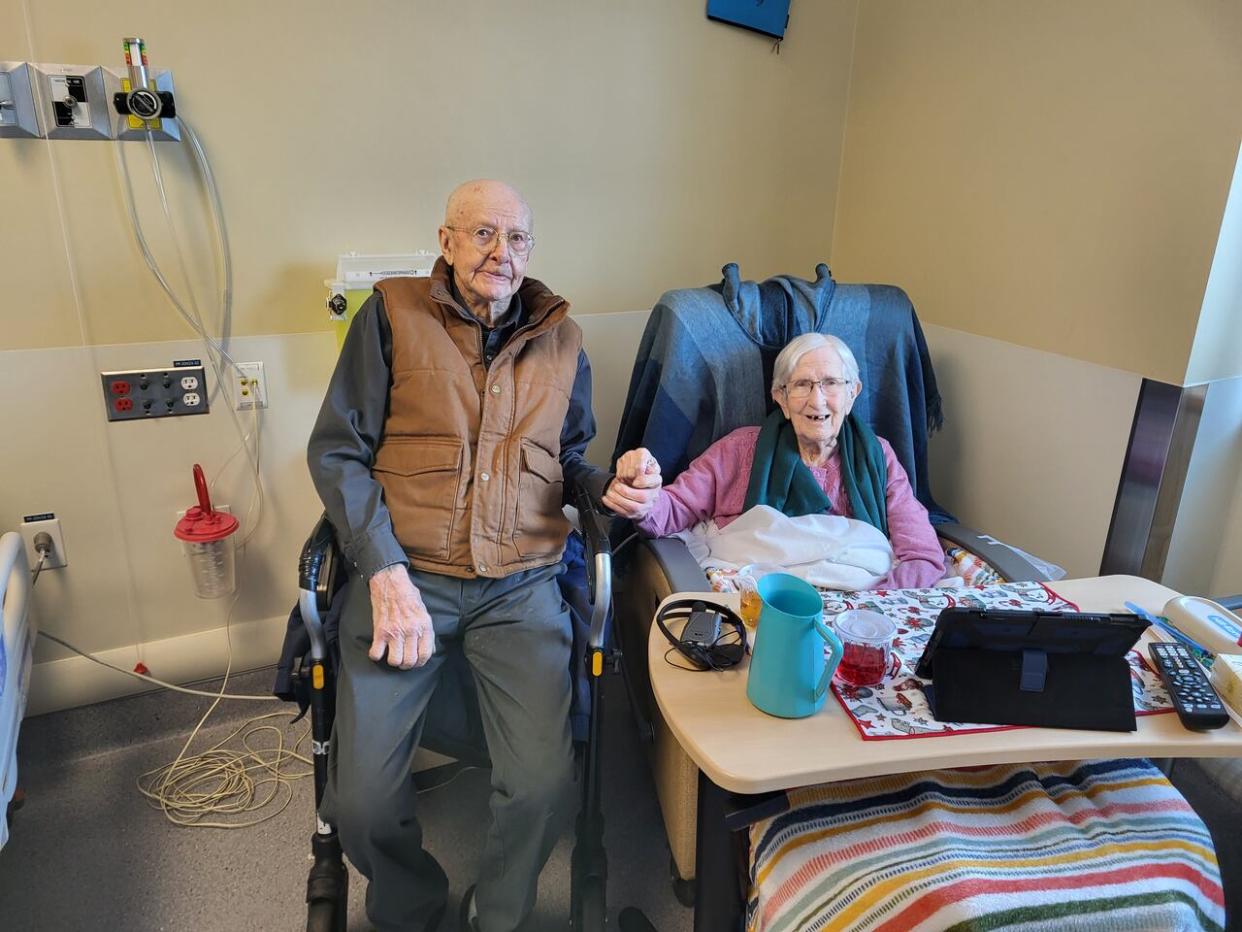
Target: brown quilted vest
point(470, 457)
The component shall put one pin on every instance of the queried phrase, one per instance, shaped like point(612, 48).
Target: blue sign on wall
point(767, 16)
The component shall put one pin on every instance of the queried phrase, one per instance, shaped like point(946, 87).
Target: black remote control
point(1194, 699)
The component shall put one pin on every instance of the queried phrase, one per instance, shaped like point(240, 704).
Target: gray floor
point(87, 852)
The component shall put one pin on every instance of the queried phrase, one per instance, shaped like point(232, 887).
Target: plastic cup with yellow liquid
point(747, 582)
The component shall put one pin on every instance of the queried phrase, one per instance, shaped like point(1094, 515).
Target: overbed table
point(740, 750)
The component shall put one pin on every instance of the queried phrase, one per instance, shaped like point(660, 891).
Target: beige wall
point(117, 488)
point(1049, 174)
point(1046, 181)
point(652, 143)
point(126, 593)
point(1021, 457)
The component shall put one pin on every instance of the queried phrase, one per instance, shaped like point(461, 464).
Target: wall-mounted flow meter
point(89, 101)
point(144, 101)
point(131, 126)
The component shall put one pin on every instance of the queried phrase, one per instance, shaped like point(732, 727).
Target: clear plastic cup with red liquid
point(867, 641)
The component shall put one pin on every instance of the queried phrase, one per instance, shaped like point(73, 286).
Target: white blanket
point(828, 551)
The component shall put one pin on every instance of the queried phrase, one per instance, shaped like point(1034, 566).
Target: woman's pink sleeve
point(918, 560)
point(692, 496)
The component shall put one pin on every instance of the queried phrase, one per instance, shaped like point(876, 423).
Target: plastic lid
point(202, 524)
point(862, 625)
point(201, 527)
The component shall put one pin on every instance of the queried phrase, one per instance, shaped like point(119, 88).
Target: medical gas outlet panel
point(143, 394)
point(85, 102)
point(75, 101)
point(18, 117)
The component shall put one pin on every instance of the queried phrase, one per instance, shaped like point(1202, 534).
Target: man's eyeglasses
point(484, 238)
point(801, 389)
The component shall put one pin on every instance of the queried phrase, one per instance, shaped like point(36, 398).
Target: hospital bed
point(17, 636)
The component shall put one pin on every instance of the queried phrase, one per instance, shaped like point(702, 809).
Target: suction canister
point(206, 538)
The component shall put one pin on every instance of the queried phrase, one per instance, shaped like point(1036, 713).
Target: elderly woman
point(811, 456)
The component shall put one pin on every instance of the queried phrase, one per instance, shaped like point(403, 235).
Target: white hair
point(787, 359)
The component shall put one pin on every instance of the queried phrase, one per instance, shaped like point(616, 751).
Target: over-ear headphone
point(726, 651)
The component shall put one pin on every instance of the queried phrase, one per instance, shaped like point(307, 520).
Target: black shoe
point(463, 921)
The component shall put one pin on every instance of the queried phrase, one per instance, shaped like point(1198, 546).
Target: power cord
point(223, 781)
point(147, 678)
point(219, 780)
point(43, 547)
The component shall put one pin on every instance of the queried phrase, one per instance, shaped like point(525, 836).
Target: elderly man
point(458, 414)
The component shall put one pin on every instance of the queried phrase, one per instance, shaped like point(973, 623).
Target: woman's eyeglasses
point(801, 389)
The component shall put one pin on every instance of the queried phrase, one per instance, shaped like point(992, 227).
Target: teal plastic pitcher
point(789, 673)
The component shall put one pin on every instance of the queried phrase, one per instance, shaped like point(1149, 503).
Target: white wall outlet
point(250, 386)
point(191, 399)
point(31, 527)
point(189, 383)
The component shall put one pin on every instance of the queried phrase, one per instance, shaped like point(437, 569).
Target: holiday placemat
point(897, 708)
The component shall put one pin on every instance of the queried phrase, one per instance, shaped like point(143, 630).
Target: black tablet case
point(1030, 686)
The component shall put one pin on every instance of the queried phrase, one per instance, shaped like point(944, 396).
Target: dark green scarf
point(780, 480)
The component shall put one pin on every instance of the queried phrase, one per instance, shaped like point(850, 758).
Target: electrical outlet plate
point(250, 386)
point(31, 525)
point(143, 394)
point(18, 117)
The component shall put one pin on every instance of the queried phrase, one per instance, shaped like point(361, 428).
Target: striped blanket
point(1050, 847)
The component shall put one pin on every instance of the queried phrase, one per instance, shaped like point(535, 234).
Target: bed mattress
point(16, 648)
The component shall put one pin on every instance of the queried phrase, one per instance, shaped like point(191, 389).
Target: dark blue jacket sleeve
point(576, 434)
point(345, 437)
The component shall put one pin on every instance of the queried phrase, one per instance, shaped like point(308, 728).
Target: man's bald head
point(479, 220)
point(468, 197)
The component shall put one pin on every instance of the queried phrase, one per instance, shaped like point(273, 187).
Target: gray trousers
point(516, 636)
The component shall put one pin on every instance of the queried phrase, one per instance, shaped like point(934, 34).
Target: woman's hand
point(634, 491)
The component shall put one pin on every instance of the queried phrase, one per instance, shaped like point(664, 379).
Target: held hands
point(400, 623)
point(637, 485)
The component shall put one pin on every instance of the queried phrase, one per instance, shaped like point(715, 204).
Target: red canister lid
point(202, 524)
point(200, 527)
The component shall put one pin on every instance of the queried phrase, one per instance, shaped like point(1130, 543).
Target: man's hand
point(400, 623)
point(637, 485)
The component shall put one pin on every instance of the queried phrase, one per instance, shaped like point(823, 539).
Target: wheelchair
point(453, 727)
